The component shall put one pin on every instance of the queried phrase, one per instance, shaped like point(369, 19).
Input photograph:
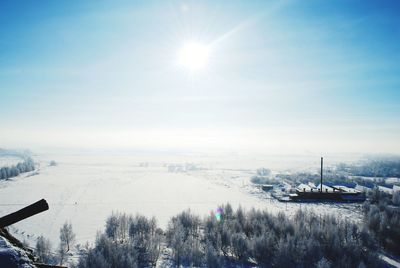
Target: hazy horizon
point(276, 76)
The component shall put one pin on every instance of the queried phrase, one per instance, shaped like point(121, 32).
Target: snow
point(84, 189)
point(11, 256)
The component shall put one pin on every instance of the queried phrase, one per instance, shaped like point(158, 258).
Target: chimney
point(322, 163)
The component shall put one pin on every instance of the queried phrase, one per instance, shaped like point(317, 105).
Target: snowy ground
point(11, 256)
point(85, 188)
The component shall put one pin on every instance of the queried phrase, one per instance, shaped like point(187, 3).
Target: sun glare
point(194, 56)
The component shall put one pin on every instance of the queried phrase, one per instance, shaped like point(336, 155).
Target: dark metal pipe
point(24, 213)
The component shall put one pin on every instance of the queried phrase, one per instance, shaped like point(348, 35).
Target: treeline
point(263, 176)
point(330, 177)
point(374, 168)
point(232, 238)
point(13, 171)
point(383, 168)
point(382, 217)
point(264, 180)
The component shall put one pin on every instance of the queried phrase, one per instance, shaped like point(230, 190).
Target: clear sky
point(280, 76)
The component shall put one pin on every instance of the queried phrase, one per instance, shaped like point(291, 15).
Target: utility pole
point(322, 163)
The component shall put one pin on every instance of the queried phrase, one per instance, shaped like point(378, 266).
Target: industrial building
point(322, 193)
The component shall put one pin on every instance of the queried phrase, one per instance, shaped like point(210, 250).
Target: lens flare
point(218, 214)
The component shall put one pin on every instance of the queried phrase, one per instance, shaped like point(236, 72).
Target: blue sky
point(290, 76)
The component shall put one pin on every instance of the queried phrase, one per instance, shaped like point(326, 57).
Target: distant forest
point(346, 174)
point(13, 171)
point(373, 168)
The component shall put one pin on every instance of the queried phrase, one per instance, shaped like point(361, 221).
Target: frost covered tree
point(246, 238)
point(263, 172)
point(13, 171)
point(263, 247)
point(396, 198)
point(62, 253)
point(109, 253)
point(183, 236)
point(323, 263)
point(112, 224)
point(67, 235)
point(127, 242)
point(240, 246)
point(212, 257)
point(43, 250)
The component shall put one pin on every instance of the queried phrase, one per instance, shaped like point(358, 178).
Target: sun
point(194, 56)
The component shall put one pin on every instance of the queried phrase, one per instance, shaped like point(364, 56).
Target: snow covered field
point(85, 188)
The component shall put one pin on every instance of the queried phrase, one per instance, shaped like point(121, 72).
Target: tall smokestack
point(322, 163)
